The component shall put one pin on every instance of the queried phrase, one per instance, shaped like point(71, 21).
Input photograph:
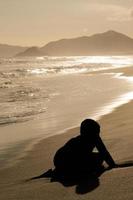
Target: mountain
point(10, 50)
point(107, 43)
point(32, 51)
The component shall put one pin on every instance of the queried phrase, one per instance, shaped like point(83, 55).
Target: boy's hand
point(113, 166)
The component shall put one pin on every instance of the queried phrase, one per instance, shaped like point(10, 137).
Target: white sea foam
point(77, 64)
point(111, 106)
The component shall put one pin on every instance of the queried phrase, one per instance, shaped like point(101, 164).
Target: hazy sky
point(36, 22)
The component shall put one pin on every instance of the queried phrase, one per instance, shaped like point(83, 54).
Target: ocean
point(52, 94)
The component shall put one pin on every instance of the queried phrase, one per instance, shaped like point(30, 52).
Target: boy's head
point(89, 128)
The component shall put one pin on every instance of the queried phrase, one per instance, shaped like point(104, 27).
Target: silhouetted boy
point(76, 157)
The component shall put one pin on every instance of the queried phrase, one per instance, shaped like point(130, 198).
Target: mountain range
point(107, 43)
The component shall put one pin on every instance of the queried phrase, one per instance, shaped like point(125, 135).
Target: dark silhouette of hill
point(32, 51)
point(107, 43)
point(10, 50)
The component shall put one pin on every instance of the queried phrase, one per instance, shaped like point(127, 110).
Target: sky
point(37, 22)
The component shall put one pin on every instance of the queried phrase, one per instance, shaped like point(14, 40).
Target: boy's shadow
point(84, 183)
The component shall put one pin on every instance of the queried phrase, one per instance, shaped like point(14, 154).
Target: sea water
point(22, 95)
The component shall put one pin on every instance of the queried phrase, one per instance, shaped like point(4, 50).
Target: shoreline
point(33, 143)
point(40, 159)
point(68, 133)
point(105, 110)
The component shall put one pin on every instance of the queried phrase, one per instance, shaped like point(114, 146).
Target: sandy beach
point(116, 131)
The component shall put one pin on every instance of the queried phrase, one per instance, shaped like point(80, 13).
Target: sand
point(115, 184)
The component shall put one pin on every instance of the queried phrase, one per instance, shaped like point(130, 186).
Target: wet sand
point(116, 131)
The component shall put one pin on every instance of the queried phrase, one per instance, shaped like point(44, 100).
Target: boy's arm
point(104, 153)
